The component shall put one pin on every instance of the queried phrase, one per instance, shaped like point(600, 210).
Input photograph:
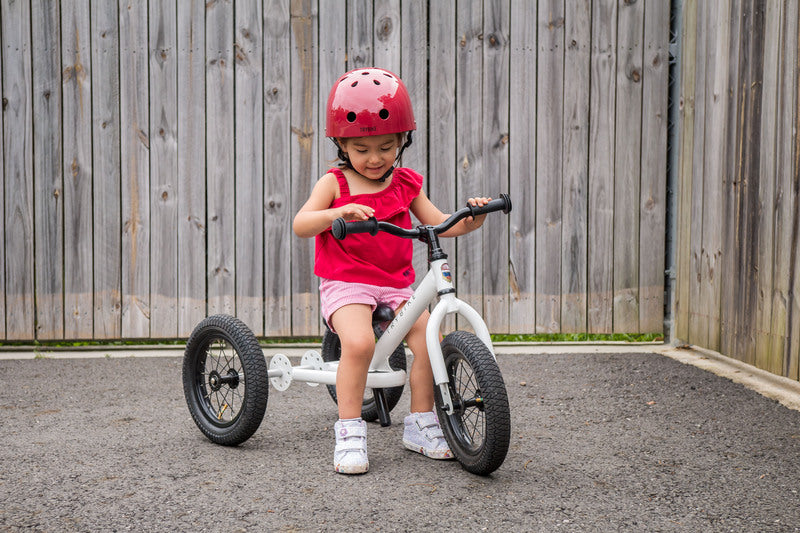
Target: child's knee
point(360, 346)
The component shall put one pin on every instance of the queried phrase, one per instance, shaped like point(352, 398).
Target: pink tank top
point(383, 260)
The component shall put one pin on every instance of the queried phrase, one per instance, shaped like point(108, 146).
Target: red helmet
point(368, 101)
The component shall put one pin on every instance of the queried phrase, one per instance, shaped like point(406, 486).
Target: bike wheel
point(332, 351)
point(479, 430)
point(225, 380)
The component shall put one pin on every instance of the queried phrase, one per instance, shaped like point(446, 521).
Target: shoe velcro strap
point(351, 431)
point(350, 445)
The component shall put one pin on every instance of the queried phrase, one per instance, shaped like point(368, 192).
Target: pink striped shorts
point(335, 294)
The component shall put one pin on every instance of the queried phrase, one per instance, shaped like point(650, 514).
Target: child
point(369, 118)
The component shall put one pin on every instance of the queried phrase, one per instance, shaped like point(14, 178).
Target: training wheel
point(282, 363)
point(312, 360)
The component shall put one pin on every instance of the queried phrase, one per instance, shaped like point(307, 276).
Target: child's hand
point(356, 212)
point(473, 223)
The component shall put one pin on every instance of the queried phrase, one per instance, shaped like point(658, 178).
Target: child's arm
point(427, 213)
point(316, 216)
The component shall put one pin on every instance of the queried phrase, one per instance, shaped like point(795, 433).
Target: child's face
point(371, 156)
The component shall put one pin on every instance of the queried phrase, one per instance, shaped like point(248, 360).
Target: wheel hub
point(217, 380)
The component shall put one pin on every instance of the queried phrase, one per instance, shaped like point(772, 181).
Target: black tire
point(332, 351)
point(479, 430)
point(225, 380)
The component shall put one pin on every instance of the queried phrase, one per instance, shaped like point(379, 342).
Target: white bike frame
point(437, 282)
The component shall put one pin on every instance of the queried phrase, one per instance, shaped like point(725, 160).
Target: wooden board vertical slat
point(577, 70)
point(493, 233)
point(549, 169)
point(792, 353)
point(602, 131)
point(18, 152)
point(729, 266)
point(77, 169)
point(698, 329)
point(191, 166)
point(304, 156)
point(766, 192)
point(444, 43)
point(221, 254)
point(469, 144)
point(47, 176)
point(249, 146)
point(164, 57)
point(277, 164)
point(522, 171)
point(106, 166)
point(2, 188)
point(785, 199)
point(413, 35)
point(135, 144)
point(747, 243)
point(359, 34)
point(627, 166)
point(652, 218)
point(710, 246)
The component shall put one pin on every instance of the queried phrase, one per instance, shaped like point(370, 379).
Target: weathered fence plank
point(549, 165)
point(47, 177)
point(627, 166)
point(107, 266)
point(249, 168)
point(767, 170)
point(522, 170)
point(496, 28)
point(15, 31)
point(575, 165)
point(469, 143)
point(191, 166)
point(135, 147)
point(221, 270)
point(305, 167)
point(78, 173)
point(652, 217)
point(163, 63)
point(277, 165)
point(2, 188)
point(441, 149)
point(600, 312)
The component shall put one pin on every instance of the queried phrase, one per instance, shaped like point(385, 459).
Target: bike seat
point(381, 314)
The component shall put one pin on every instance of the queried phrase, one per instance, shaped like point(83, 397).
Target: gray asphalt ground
point(600, 442)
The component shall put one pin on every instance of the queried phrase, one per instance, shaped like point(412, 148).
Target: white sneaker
point(423, 435)
point(350, 454)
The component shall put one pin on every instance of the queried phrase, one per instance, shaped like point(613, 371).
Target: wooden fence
point(738, 290)
point(154, 153)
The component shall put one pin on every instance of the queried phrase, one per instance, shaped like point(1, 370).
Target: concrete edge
point(781, 389)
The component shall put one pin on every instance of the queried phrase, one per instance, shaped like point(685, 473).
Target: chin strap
point(343, 156)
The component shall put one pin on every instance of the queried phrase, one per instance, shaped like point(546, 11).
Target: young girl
point(369, 118)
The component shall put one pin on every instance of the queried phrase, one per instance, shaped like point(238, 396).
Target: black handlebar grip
point(499, 204)
point(341, 229)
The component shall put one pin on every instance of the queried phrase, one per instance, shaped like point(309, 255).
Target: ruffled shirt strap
point(344, 188)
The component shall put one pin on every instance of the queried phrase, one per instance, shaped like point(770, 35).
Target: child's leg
point(353, 324)
point(422, 432)
point(421, 376)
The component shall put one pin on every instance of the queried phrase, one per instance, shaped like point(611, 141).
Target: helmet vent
point(376, 82)
point(351, 117)
point(354, 84)
point(383, 113)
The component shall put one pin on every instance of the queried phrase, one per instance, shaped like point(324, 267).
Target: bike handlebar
point(342, 229)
